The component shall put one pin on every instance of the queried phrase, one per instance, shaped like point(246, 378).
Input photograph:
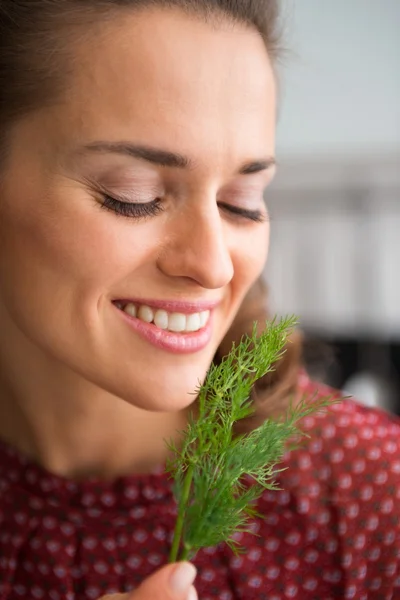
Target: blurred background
point(335, 204)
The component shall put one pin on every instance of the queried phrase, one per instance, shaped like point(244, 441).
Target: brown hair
point(35, 37)
point(34, 69)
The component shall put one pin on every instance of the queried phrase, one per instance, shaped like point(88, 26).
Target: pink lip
point(177, 343)
point(185, 308)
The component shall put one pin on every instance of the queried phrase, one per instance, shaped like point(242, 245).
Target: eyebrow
point(165, 158)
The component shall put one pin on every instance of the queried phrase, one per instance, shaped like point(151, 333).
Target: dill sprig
point(214, 501)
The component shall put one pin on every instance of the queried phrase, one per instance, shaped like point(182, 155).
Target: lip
point(175, 343)
point(185, 308)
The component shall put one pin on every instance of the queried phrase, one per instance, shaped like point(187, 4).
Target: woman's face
point(142, 188)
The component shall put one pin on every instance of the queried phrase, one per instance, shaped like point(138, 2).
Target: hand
point(173, 582)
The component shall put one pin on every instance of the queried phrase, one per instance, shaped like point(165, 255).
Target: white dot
point(134, 562)
point(311, 556)
point(93, 593)
point(273, 572)
point(310, 584)
point(353, 510)
point(291, 591)
point(293, 538)
point(386, 506)
point(337, 456)
point(366, 433)
point(131, 492)
point(292, 563)
point(390, 447)
point(254, 554)
point(389, 538)
point(254, 581)
point(109, 544)
point(345, 481)
point(350, 592)
point(395, 467)
point(347, 560)
point(312, 534)
point(366, 492)
point(331, 546)
point(359, 541)
point(272, 544)
point(140, 536)
point(381, 477)
point(376, 583)
point(89, 543)
point(329, 431)
point(374, 553)
point(236, 562)
point(108, 499)
point(372, 523)
point(101, 568)
point(208, 575)
point(374, 453)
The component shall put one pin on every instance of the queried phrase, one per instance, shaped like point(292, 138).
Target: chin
point(161, 390)
point(162, 396)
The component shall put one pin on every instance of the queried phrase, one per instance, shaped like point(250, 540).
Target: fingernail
point(192, 594)
point(182, 578)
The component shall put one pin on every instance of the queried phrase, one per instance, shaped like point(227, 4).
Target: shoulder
point(339, 498)
point(350, 450)
point(353, 442)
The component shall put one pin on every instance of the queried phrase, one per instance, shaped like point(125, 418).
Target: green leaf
point(209, 468)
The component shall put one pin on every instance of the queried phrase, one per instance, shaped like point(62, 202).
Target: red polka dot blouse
point(333, 532)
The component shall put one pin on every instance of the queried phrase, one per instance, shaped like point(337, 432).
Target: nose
point(197, 247)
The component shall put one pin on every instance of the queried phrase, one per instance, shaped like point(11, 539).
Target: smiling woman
point(137, 142)
point(179, 179)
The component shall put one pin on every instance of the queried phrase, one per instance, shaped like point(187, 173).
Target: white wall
point(335, 204)
point(335, 247)
point(341, 82)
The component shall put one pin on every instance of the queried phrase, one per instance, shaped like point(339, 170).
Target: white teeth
point(193, 322)
point(161, 319)
point(131, 310)
point(177, 322)
point(146, 314)
point(204, 316)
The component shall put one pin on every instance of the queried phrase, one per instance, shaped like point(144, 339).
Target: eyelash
point(154, 208)
point(132, 209)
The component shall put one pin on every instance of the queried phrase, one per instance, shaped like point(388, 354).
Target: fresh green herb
point(208, 468)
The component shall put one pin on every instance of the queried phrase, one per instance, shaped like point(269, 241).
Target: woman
point(137, 140)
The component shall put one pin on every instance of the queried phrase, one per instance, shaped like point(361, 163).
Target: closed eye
point(256, 216)
point(154, 208)
point(132, 209)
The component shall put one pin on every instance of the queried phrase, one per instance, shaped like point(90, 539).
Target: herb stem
point(185, 553)
point(181, 516)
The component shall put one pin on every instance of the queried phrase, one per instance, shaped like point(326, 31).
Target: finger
point(172, 582)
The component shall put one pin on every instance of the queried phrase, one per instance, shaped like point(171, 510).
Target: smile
point(177, 327)
point(175, 322)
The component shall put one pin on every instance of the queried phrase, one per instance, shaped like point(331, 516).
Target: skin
point(80, 392)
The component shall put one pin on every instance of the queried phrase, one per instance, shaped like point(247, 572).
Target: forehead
point(167, 79)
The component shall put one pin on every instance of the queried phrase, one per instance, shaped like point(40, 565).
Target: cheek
point(70, 237)
point(249, 258)
point(251, 253)
point(63, 252)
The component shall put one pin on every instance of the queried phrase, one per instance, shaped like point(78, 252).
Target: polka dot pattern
point(331, 532)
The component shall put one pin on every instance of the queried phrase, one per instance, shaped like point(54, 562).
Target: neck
point(76, 430)
point(96, 435)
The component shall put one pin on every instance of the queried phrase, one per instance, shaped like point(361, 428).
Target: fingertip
point(182, 578)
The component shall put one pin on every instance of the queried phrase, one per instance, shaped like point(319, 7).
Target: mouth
point(180, 328)
point(172, 321)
